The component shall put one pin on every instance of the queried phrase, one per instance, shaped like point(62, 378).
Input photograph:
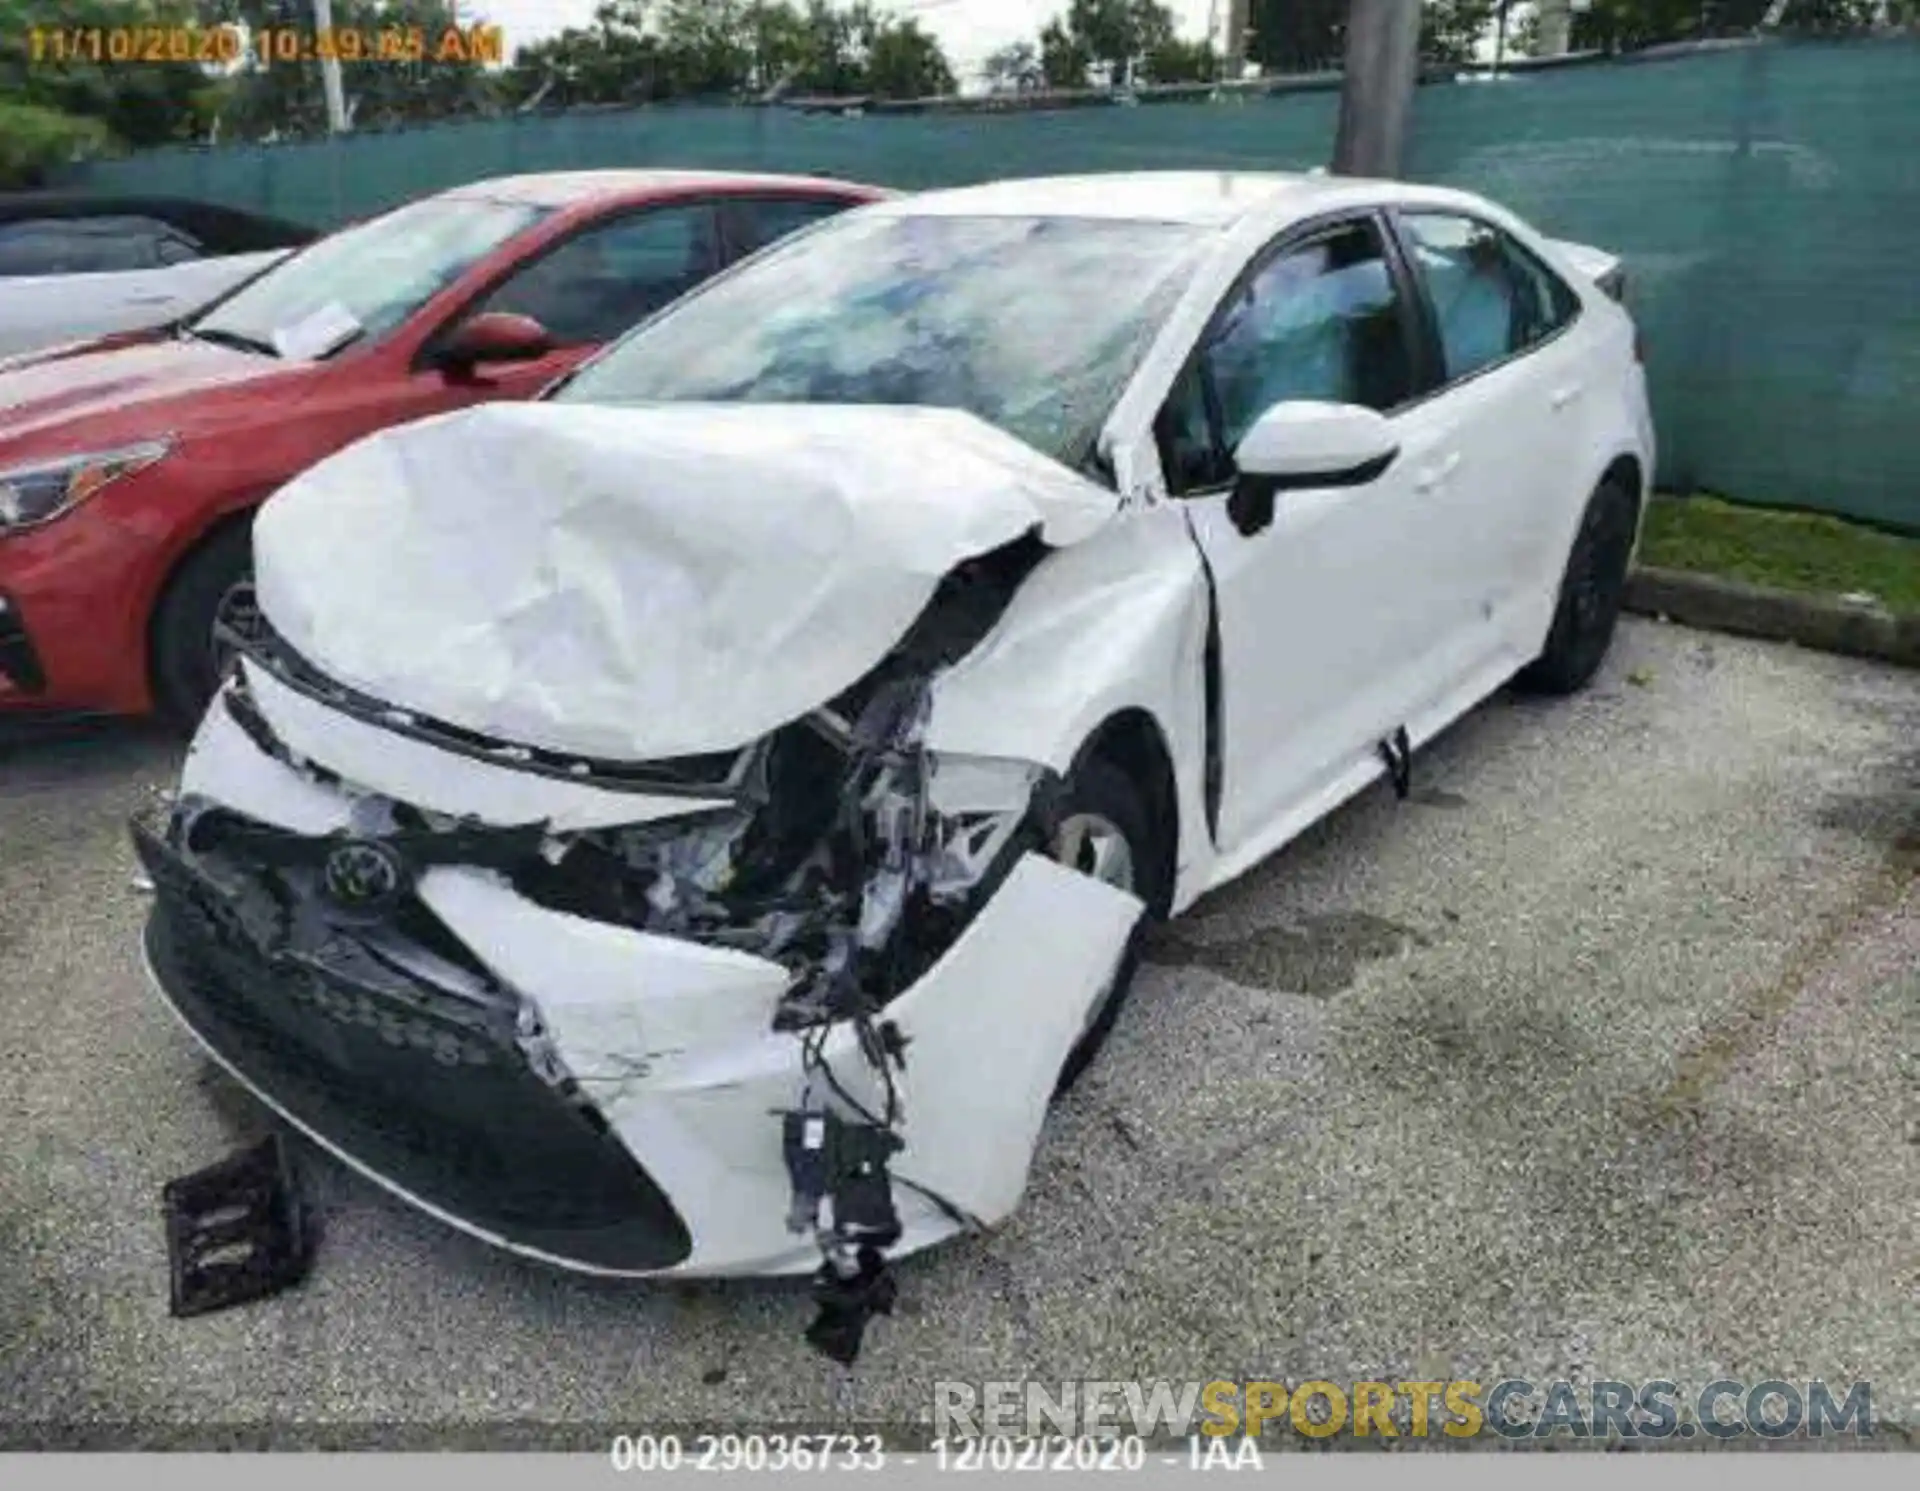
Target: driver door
point(1333, 613)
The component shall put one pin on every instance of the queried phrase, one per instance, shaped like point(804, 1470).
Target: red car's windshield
point(365, 280)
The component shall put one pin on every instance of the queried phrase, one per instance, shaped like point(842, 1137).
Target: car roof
point(1202, 198)
point(570, 188)
point(214, 223)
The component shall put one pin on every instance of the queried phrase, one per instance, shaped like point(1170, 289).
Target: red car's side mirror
point(493, 336)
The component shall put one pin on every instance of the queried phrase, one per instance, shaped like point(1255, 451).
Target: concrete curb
point(1827, 623)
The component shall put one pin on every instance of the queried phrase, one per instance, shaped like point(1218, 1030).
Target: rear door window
point(1491, 298)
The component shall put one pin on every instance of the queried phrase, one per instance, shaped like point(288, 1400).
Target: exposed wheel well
point(1627, 471)
point(1131, 741)
point(1630, 476)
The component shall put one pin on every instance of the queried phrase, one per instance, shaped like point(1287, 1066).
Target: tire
point(215, 579)
point(1099, 792)
point(1590, 593)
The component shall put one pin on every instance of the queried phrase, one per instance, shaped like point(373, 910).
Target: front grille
point(19, 663)
point(423, 1087)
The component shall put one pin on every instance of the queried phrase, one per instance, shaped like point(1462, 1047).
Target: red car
point(130, 467)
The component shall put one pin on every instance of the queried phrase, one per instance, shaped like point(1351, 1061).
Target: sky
point(968, 30)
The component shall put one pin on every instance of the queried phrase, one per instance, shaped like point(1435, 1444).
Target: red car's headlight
point(41, 490)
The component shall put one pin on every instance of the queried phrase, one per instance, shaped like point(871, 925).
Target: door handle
point(148, 299)
point(1566, 395)
point(1437, 473)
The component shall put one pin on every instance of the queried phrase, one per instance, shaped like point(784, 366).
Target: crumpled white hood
point(641, 583)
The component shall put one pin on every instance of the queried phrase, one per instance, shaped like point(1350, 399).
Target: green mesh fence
point(1767, 203)
point(329, 181)
point(1766, 199)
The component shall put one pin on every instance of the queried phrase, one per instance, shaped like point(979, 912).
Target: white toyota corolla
point(693, 824)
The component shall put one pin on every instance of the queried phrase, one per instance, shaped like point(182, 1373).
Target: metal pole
point(1556, 26)
point(1376, 93)
point(1235, 41)
point(330, 69)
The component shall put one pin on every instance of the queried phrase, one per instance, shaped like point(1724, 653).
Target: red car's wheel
point(214, 585)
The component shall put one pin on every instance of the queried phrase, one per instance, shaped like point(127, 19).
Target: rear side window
point(80, 245)
point(1321, 321)
point(175, 248)
point(32, 247)
point(84, 245)
point(755, 222)
point(1491, 298)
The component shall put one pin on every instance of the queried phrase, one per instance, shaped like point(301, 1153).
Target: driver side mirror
point(492, 336)
point(1302, 444)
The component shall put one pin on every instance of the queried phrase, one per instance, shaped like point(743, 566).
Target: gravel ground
point(1598, 1058)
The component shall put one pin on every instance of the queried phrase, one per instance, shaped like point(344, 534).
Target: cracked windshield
point(970, 313)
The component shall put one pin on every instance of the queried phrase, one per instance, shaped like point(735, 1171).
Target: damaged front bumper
point(612, 1089)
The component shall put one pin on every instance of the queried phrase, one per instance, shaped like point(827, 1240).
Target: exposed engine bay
point(830, 856)
point(838, 850)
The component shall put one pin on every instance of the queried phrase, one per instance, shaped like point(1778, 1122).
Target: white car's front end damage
point(569, 853)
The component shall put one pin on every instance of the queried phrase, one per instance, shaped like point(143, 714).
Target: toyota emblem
point(360, 873)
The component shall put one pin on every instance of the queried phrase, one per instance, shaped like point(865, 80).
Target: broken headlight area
point(849, 854)
point(852, 854)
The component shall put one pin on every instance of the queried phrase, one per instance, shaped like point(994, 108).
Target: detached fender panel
point(1118, 622)
point(990, 1027)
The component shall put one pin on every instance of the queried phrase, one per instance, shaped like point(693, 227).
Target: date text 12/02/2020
point(265, 46)
point(845, 1451)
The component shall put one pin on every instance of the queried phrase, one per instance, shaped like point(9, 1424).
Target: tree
point(1450, 30)
point(1177, 61)
point(1624, 25)
point(1063, 57)
point(640, 50)
point(612, 61)
point(287, 97)
point(138, 104)
point(706, 47)
point(905, 62)
point(779, 43)
point(1523, 34)
point(1015, 68)
point(1116, 34)
point(35, 143)
point(1830, 15)
point(1297, 35)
